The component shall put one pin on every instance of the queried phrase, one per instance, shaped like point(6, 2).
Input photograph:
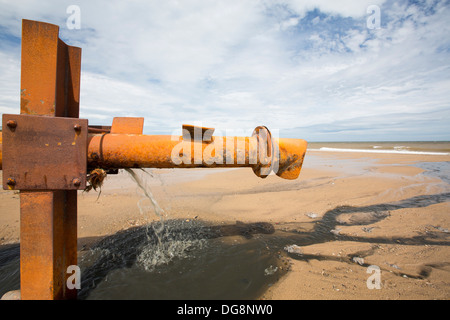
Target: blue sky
point(308, 69)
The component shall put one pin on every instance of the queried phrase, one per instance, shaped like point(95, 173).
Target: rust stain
point(23, 105)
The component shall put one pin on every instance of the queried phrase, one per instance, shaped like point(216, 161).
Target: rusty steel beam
point(1, 150)
point(48, 238)
point(45, 153)
point(50, 86)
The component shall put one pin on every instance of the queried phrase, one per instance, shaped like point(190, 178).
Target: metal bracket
point(127, 125)
point(192, 133)
point(44, 153)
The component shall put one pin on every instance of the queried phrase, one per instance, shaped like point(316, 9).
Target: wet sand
point(371, 210)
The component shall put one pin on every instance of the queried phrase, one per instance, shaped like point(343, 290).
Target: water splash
point(177, 240)
point(148, 195)
point(169, 245)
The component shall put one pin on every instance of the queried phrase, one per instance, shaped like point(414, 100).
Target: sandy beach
point(345, 213)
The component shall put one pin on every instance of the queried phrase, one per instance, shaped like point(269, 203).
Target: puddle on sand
point(170, 259)
point(9, 268)
point(178, 259)
point(189, 260)
point(196, 260)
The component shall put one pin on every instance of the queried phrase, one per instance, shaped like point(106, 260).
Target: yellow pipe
point(163, 151)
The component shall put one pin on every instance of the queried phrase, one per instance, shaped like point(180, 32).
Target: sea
point(396, 147)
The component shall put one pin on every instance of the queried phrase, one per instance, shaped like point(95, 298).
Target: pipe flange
point(265, 151)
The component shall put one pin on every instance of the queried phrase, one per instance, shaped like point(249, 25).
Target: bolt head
point(12, 124)
point(76, 182)
point(77, 127)
point(11, 182)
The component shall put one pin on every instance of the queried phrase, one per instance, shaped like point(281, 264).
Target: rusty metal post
point(50, 86)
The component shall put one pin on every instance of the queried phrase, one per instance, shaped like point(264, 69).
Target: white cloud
point(345, 8)
point(9, 84)
point(247, 63)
